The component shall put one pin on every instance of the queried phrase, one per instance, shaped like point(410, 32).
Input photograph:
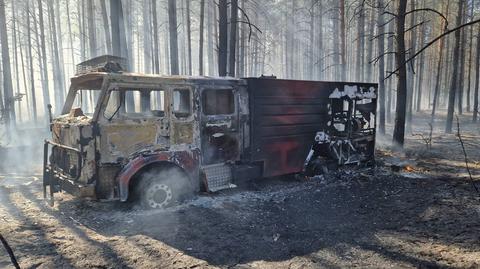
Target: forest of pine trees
point(379, 41)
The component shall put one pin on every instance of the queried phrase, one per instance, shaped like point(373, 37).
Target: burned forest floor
point(417, 209)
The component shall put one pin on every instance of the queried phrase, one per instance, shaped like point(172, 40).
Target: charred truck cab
point(123, 136)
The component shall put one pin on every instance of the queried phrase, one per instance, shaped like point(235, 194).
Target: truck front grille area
point(65, 161)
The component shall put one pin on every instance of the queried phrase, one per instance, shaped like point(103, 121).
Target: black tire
point(163, 187)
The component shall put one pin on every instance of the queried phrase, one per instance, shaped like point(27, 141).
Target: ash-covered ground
point(423, 213)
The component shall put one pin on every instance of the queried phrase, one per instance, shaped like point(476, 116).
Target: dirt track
point(426, 218)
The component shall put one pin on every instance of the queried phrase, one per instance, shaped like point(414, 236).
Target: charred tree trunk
point(477, 81)
point(189, 38)
point(30, 62)
point(222, 37)
point(156, 51)
point(410, 67)
point(172, 26)
point(455, 65)
point(399, 129)
point(439, 71)
point(108, 41)
point(233, 37)
point(92, 36)
point(390, 67)
point(42, 57)
point(381, 68)
point(344, 42)
point(200, 45)
point(70, 35)
point(9, 115)
point(147, 33)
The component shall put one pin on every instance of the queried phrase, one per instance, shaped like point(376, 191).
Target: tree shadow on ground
point(302, 222)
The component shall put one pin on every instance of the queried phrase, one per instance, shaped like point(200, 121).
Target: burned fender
point(186, 160)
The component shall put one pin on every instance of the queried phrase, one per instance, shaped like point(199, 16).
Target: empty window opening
point(218, 102)
point(181, 103)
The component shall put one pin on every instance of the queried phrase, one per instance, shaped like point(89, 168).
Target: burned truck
point(158, 139)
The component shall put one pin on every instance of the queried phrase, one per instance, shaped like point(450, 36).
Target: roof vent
point(104, 63)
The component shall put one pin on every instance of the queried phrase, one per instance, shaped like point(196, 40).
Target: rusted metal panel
point(285, 115)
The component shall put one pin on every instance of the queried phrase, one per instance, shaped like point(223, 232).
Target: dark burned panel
point(285, 117)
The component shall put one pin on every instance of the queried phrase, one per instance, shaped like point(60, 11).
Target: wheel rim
point(159, 195)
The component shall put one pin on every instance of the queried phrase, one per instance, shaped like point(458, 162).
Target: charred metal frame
point(271, 131)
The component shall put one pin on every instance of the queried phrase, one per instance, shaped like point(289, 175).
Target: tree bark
point(200, 45)
point(222, 38)
point(30, 62)
point(381, 67)
point(439, 70)
point(92, 36)
point(344, 43)
point(189, 38)
point(70, 35)
point(108, 41)
point(233, 37)
point(42, 57)
point(156, 51)
point(477, 81)
point(147, 33)
point(455, 66)
point(9, 115)
point(172, 26)
point(399, 129)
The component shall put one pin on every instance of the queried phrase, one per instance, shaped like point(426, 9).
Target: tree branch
point(435, 40)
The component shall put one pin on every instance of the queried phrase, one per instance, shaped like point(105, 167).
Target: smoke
point(163, 187)
point(21, 151)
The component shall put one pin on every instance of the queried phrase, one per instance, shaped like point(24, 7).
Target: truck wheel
point(162, 188)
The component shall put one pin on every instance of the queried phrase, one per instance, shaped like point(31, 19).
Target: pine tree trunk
point(371, 27)
point(9, 115)
point(211, 69)
point(15, 61)
point(92, 36)
point(381, 67)
point(390, 66)
point(108, 41)
point(360, 44)
point(200, 45)
point(470, 62)
point(156, 56)
point(222, 37)
point(45, 83)
point(30, 61)
point(410, 71)
point(189, 38)
point(461, 74)
point(344, 42)
point(477, 80)
point(147, 33)
point(455, 65)
point(172, 25)
point(320, 48)
point(439, 71)
point(70, 35)
point(399, 129)
point(233, 37)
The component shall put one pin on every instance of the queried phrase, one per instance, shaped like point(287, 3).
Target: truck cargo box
point(285, 116)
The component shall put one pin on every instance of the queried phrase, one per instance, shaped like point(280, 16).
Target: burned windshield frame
point(140, 105)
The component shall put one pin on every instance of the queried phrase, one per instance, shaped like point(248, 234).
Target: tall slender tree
point(455, 65)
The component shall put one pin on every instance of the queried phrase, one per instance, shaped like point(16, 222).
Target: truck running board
point(218, 177)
